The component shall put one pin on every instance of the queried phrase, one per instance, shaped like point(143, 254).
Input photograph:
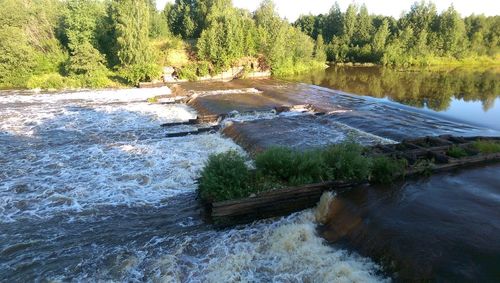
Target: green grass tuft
point(385, 170)
point(456, 152)
point(290, 167)
point(346, 162)
point(487, 146)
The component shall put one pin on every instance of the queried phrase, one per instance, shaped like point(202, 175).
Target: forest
point(53, 44)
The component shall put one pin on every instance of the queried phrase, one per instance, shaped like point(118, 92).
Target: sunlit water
point(468, 94)
point(91, 190)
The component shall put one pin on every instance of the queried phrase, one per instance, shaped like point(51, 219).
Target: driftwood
point(284, 201)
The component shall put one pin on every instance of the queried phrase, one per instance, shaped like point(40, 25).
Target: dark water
point(445, 228)
point(467, 94)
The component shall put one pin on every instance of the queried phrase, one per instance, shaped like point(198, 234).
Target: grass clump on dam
point(485, 146)
point(226, 175)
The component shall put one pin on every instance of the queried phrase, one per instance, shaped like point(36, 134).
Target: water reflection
point(457, 92)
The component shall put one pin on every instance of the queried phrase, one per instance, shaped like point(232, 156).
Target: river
point(91, 190)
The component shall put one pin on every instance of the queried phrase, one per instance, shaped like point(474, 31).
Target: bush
point(203, 69)
point(487, 146)
point(346, 162)
point(52, 81)
point(224, 177)
point(385, 170)
point(188, 72)
point(135, 74)
point(290, 167)
point(456, 152)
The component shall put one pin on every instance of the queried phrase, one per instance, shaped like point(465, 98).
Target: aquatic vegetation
point(385, 170)
point(487, 146)
point(456, 152)
point(153, 99)
point(289, 166)
point(225, 176)
point(346, 162)
point(424, 167)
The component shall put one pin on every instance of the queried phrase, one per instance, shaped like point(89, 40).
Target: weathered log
point(273, 203)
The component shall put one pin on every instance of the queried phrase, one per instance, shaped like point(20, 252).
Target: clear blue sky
point(291, 9)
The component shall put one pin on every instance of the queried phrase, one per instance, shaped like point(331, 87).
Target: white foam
point(284, 250)
point(75, 156)
point(112, 95)
point(196, 94)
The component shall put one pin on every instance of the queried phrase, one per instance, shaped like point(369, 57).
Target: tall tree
point(349, 22)
point(333, 23)
point(451, 29)
point(364, 27)
point(80, 29)
point(131, 19)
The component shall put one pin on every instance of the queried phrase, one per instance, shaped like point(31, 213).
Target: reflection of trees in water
point(432, 88)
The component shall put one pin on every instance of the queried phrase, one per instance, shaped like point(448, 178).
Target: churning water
point(90, 190)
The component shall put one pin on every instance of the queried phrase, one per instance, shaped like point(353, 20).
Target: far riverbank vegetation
point(53, 44)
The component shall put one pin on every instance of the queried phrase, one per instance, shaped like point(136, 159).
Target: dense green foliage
point(385, 170)
point(346, 162)
point(287, 166)
point(487, 146)
point(419, 37)
point(456, 152)
point(89, 43)
point(75, 43)
point(226, 176)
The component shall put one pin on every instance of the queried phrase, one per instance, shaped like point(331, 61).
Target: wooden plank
point(188, 122)
point(273, 201)
point(194, 132)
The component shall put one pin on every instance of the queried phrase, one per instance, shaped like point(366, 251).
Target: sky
point(292, 9)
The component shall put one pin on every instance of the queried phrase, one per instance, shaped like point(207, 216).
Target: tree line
point(420, 36)
point(98, 43)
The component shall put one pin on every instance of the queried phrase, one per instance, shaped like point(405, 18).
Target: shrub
point(385, 170)
point(346, 162)
point(487, 146)
point(276, 162)
point(290, 167)
point(135, 74)
point(203, 69)
point(188, 72)
point(53, 81)
point(456, 152)
point(310, 168)
point(224, 177)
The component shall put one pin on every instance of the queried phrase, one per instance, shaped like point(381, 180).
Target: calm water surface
point(469, 95)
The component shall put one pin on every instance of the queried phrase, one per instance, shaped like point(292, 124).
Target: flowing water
point(471, 95)
point(91, 190)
